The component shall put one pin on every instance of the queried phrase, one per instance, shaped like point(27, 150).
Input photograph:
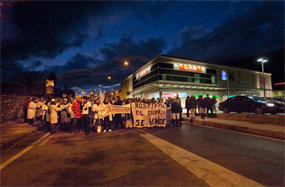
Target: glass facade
point(166, 71)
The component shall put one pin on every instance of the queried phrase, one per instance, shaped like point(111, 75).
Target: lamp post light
point(262, 66)
point(126, 63)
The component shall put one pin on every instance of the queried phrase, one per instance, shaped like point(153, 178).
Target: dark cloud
point(77, 62)
point(257, 30)
point(114, 54)
point(34, 65)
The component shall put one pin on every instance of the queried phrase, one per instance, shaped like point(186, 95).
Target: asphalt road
point(125, 157)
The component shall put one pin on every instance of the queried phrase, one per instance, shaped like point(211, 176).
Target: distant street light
point(109, 77)
point(262, 66)
point(126, 63)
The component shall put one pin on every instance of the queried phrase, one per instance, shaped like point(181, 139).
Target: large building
point(167, 76)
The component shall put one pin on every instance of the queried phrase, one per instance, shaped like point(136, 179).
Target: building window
point(213, 79)
point(197, 78)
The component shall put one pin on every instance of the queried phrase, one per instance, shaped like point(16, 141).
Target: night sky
point(83, 42)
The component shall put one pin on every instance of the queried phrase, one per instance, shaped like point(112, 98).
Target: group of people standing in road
point(206, 105)
point(84, 114)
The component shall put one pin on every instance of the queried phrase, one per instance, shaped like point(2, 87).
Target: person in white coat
point(70, 113)
point(53, 109)
point(40, 112)
point(63, 114)
point(32, 111)
point(98, 120)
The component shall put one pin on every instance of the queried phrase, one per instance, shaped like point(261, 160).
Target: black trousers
point(31, 121)
point(85, 122)
point(106, 123)
point(188, 109)
point(77, 123)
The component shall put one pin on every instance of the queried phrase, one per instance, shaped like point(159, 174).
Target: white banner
point(120, 109)
point(149, 115)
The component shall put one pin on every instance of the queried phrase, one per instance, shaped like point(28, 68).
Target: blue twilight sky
point(83, 42)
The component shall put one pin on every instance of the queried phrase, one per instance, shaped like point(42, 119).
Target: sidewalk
point(14, 130)
point(267, 130)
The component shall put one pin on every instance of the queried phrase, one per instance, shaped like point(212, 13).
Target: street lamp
point(109, 77)
point(126, 63)
point(262, 66)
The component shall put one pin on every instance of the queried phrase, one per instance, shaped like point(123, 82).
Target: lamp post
point(262, 66)
point(126, 63)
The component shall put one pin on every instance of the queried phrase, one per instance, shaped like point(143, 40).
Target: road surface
point(190, 155)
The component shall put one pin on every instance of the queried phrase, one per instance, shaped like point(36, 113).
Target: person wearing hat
point(76, 108)
point(63, 115)
point(53, 109)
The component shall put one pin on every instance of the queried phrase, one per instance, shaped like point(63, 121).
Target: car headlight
point(270, 104)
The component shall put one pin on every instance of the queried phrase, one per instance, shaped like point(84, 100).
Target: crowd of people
point(82, 114)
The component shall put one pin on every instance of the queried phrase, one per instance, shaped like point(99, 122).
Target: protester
point(118, 117)
point(192, 106)
point(187, 105)
point(63, 115)
point(175, 110)
point(76, 108)
point(214, 101)
point(31, 113)
point(168, 112)
point(39, 111)
point(107, 119)
point(85, 114)
point(209, 105)
point(53, 109)
point(98, 120)
point(70, 113)
point(201, 106)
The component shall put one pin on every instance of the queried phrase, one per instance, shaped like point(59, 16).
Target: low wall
point(11, 107)
point(254, 118)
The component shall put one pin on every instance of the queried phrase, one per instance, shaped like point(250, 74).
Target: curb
point(266, 133)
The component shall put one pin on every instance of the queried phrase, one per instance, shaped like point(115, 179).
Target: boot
point(180, 123)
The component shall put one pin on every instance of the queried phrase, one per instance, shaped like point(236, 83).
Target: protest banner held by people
point(105, 114)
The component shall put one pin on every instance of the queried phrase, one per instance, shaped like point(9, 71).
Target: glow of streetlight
point(260, 60)
point(109, 77)
point(126, 63)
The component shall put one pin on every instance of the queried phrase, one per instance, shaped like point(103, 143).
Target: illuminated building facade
point(167, 76)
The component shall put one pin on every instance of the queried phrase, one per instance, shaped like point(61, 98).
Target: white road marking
point(210, 172)
point(9, 161)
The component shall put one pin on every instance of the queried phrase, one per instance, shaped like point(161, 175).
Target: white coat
point(63, 114)
point(53, 109)
point(45, 112)
point(40, 111)
point(31, 110)
point(69, 110)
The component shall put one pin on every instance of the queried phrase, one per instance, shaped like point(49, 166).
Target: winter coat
point(63, 114)
point(53, 109)
point(187, 103)
point(76, 108)
point(192, 102)
point(69, 110)
point(31, 110)
point(176, 108)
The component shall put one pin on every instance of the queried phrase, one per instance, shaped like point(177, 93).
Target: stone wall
point(11, 107)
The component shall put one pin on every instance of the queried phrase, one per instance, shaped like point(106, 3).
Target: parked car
point(245, 104)
point(280, 104)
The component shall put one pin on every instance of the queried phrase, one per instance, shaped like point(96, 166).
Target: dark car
point(280, 104)
point(245, 104)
